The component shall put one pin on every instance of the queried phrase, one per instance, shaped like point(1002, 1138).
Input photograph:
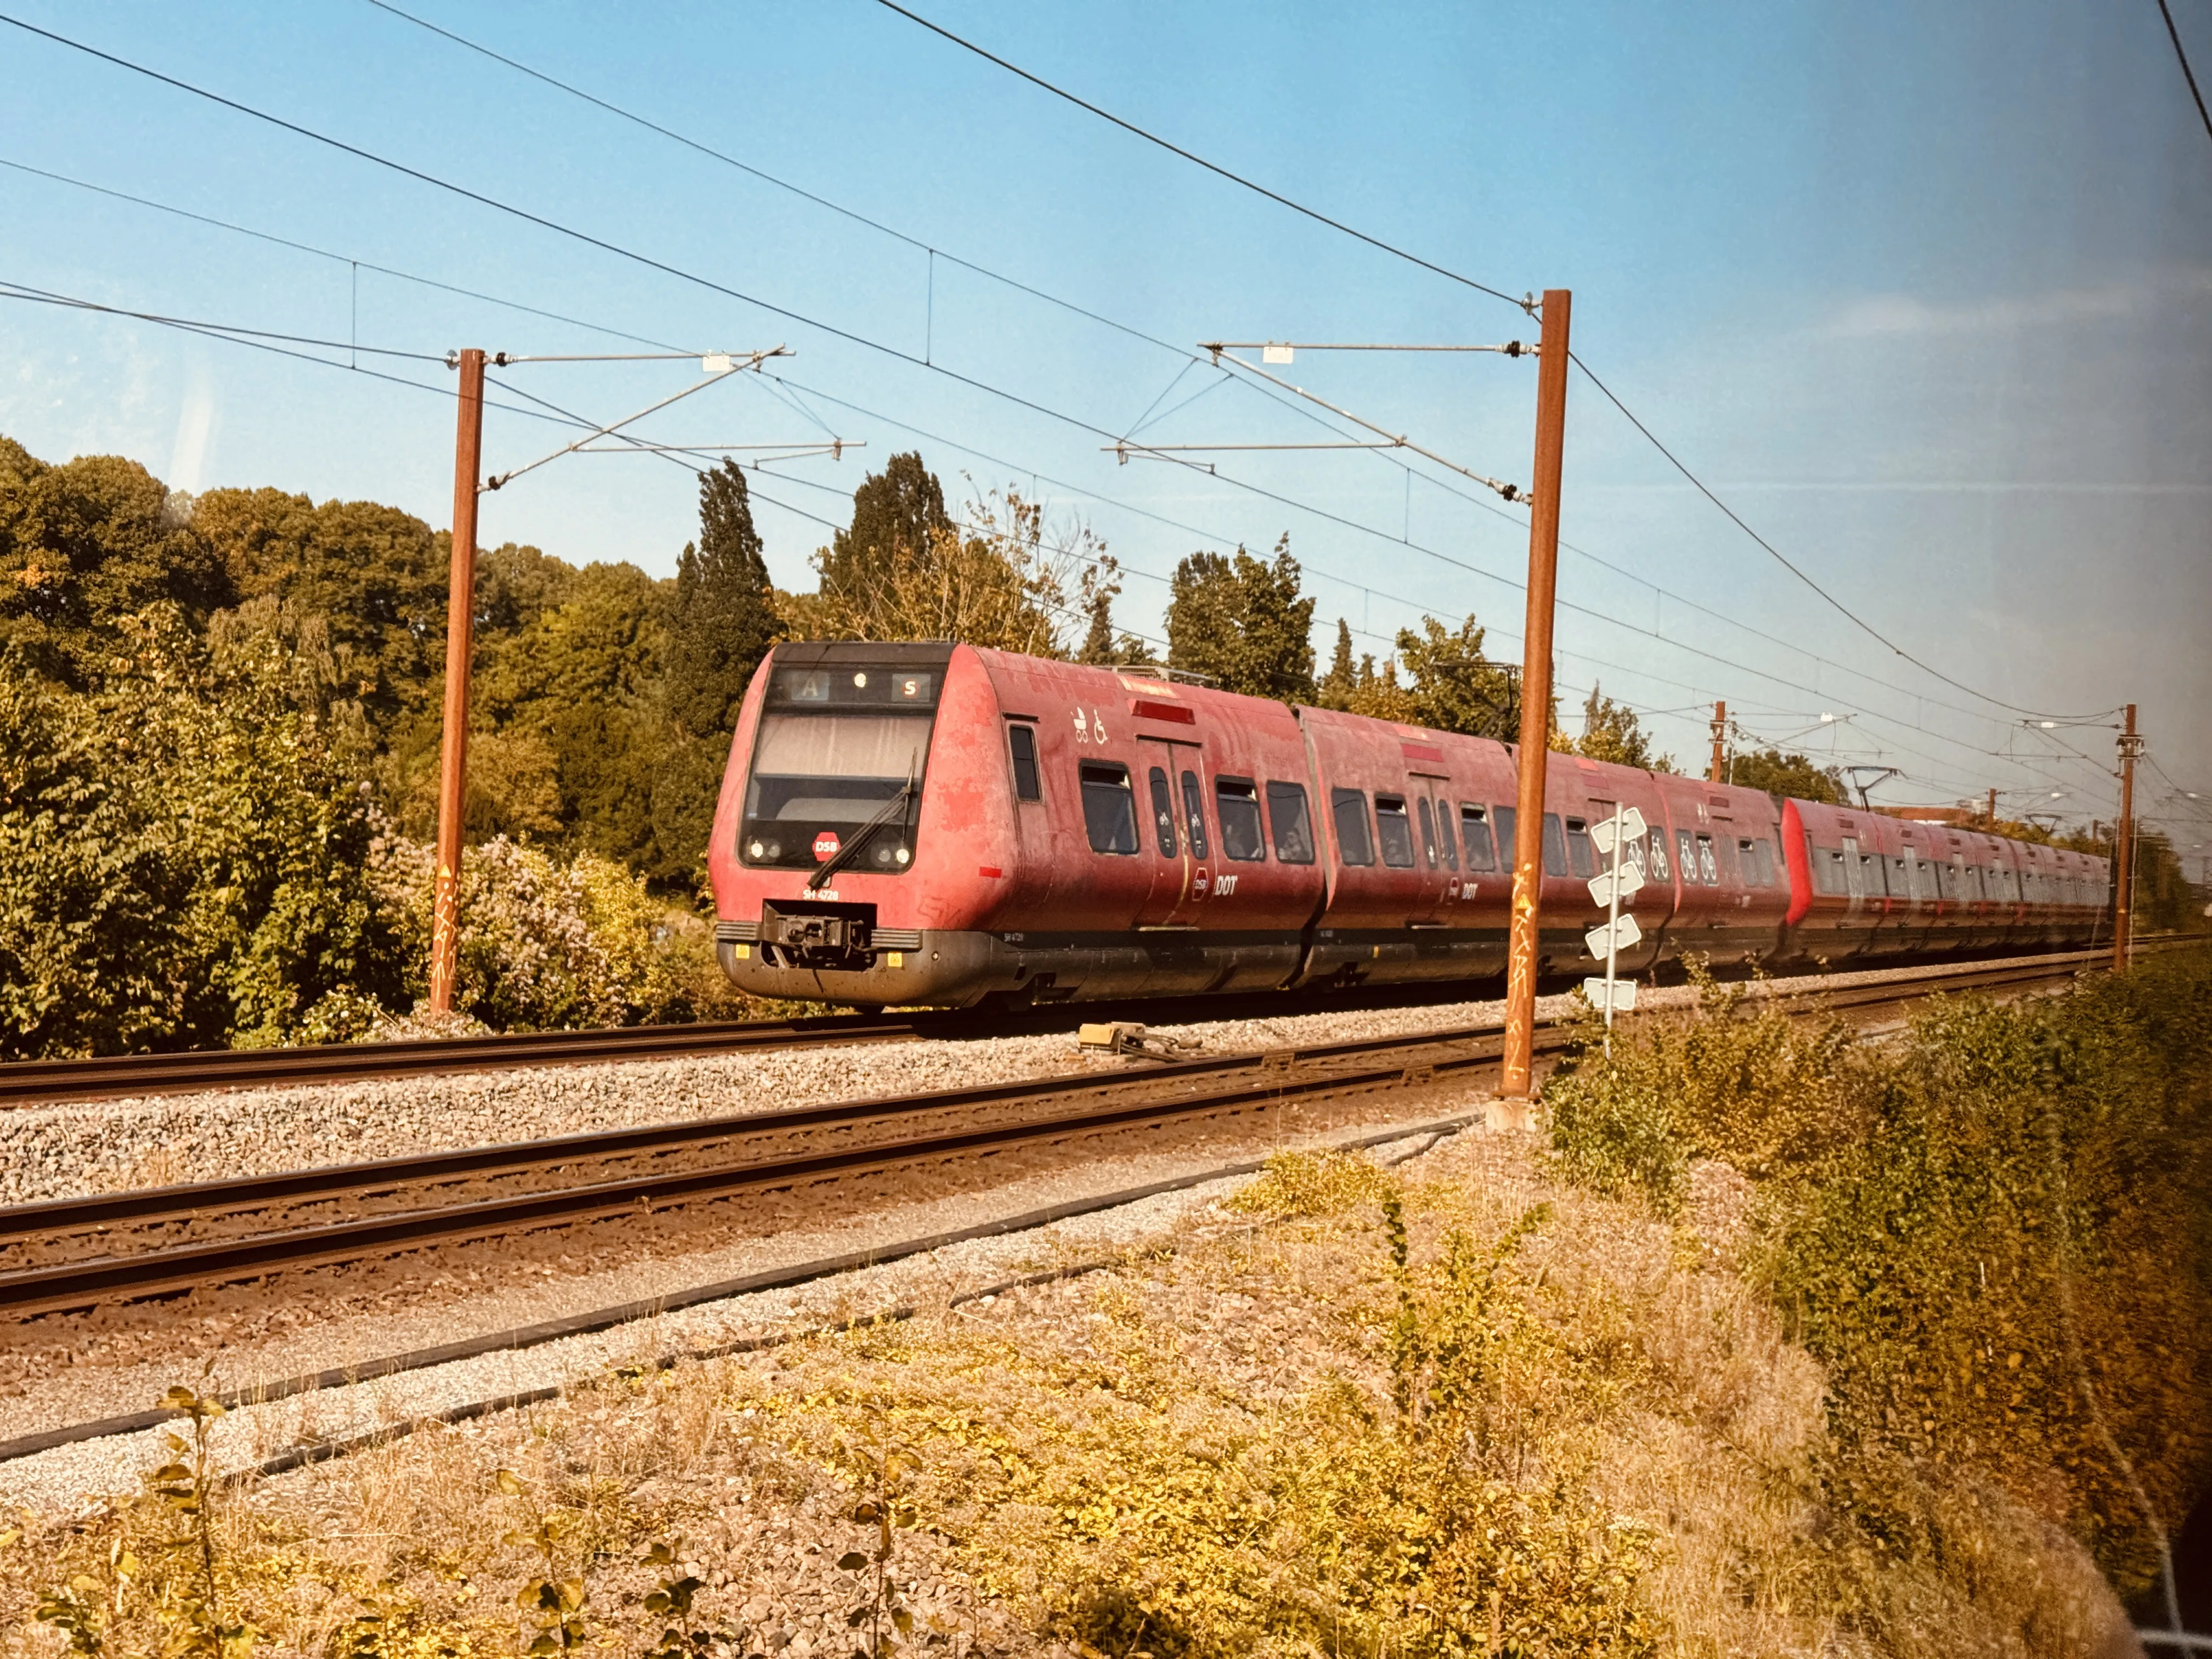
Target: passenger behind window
point(1236, 805)
point(1347, 810)
point(1475, 833)
point(1395, 831)
point(1293, 823)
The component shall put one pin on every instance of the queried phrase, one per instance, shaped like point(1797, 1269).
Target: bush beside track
point(1995, 1232)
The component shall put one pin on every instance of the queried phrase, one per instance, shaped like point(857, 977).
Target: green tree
point(1787, 774)
point(896, 514)
point(722, 620)
point(183, 848)
point(1335, 689)
point(1099, 637)
point(376, 576)
point(1612, 733)
point(1453, 687)
point(84, 546)
point(1240, 621)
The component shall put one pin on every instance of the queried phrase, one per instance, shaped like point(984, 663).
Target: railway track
point(80, 1254)
point(25, 1083)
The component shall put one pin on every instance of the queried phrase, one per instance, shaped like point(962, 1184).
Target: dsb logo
point(825, 846)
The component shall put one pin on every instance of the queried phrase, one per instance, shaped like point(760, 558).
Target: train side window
point(1428, 829)
point(1292, 822)
point(1395, 831)
point(1109, 809)
point(1555, 845)
point(1475, 831)
point(1581, 857)
point(1162, 814)
point(1347, 810)
point(1447, 842)
point(1021, 741)
point(1236, 805)
point(1659, 867)
point(1708, 872)
point(1193, 812)
point(1509, 847)
point(1755, 873)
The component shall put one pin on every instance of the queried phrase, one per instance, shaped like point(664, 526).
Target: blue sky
point(1926, 293)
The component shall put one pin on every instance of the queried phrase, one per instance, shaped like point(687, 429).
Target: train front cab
point(1072, 832)
point(856, 759)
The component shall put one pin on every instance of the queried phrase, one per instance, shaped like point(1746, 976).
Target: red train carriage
point(939, 823)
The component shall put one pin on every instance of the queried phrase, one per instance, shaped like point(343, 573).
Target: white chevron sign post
point(1613, 888)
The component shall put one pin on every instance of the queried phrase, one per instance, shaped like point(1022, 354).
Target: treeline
point(219, 720)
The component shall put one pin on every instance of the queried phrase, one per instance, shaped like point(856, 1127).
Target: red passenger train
point(946, 824)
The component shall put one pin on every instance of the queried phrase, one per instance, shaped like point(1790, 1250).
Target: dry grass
point(1467, 1412)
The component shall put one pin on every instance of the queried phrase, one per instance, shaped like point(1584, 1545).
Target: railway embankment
point(1773, 1342)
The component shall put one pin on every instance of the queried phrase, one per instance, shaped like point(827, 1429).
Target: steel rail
point(110, 1077)
point(24, 1081)
point(1410, 1058)
point(155, 1206)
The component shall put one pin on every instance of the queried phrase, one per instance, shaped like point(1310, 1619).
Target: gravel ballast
point(70, 1150)
point(57, 1480)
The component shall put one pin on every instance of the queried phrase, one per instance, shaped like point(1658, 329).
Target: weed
point(1307, 1184)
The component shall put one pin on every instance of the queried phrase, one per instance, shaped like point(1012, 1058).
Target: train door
point(1435, 821)
point(1171, 794)
point(1854, 882)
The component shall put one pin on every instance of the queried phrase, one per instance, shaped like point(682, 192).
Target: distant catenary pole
point(461, 618)
point(1716, 772)
point(2124, 852)
point(1535, 699)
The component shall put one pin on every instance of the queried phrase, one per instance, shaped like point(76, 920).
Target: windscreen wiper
point(851, 850)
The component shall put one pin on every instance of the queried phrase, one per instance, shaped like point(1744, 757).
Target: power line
point(1213, 167)
point(326, 253)
point(2187, 74)
point(11, 290)
point(653, 264)
point(870, 344)
point(1335, 224)
point(1780, 558)
point(704, 148)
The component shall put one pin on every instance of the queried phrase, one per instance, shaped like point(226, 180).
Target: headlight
point(759, 851)
point(774, 849)
point(904, 856)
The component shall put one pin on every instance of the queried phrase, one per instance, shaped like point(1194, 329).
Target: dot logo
point(825, 846)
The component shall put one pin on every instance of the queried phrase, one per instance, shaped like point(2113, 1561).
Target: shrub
point(1736, 1080)
point(1991, 1232)
point(182, 848)
point(545, 945)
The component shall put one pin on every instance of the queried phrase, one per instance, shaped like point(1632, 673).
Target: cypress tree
point(722, 623)
point(720, 626)
point(894, 509)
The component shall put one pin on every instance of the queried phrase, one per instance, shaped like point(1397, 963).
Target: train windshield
point(838, 765)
